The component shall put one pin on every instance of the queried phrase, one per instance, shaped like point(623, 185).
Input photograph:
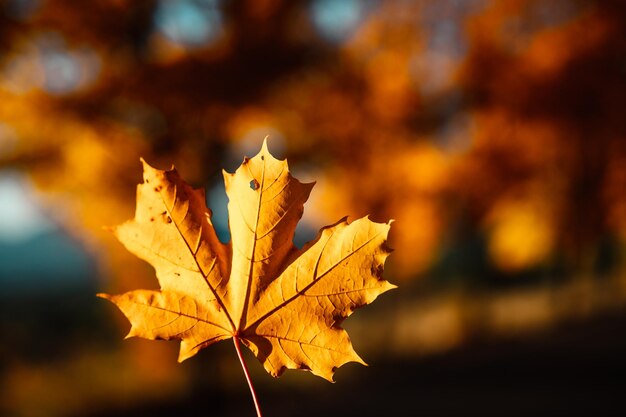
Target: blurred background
point(493, 132)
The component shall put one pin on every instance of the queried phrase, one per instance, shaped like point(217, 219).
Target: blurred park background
point(493, 132)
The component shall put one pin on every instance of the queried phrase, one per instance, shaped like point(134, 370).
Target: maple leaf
point(286, 304)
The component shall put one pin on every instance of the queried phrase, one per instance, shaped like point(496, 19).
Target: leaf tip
point(145, 164)
point(359, 360)
point(187, 351)
point(149, 171)
point(104, 296)
point(308, 186)
point(264, 148)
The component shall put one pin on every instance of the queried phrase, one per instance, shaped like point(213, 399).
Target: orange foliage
point(385, 91)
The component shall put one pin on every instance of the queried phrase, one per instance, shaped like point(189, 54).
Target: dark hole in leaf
point(254, 184)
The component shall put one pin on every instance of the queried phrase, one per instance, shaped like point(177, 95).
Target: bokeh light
point(189, 22)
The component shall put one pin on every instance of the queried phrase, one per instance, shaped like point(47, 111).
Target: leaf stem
point(245, 371)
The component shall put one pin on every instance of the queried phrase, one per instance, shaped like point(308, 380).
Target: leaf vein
point(180, 313)
point(315, 280)
point(218, 298)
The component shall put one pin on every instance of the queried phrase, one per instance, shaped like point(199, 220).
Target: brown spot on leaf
point(254, 184)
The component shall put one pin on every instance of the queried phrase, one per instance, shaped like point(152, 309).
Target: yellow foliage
point(285, 304)
point(521, 234)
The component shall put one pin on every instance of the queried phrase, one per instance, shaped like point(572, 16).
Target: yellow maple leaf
point(286, 304)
